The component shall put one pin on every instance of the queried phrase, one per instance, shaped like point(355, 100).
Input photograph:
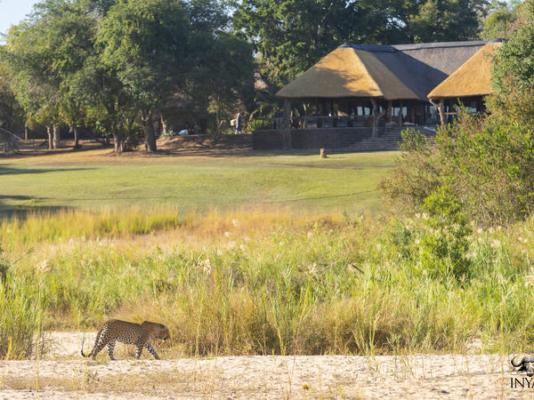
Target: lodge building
point(371, 91)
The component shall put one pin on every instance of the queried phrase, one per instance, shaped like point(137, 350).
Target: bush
point(417, 171)
point(487, 166)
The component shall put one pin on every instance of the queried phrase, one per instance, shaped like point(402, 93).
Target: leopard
point(140, 335)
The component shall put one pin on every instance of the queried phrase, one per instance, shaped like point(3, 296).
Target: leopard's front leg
point(152, 350)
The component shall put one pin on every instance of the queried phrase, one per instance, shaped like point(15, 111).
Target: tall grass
point(67, 224)
point(20, 315)
point(264, 283)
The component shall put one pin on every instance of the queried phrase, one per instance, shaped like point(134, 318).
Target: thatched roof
point(473, 78)
point(381, 71)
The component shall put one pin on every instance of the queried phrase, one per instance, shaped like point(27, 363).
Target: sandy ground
point(63, 374)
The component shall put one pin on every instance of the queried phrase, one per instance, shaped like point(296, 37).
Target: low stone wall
point(330, 138)
point(267, 139)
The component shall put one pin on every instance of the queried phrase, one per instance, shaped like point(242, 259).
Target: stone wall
point(330, 138)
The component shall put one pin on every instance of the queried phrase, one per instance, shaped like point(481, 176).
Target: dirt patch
point(206, 145)
point(64, 374)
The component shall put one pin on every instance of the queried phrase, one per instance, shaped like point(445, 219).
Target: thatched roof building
point(472, 79)
point(380, 71)
point(359, 91)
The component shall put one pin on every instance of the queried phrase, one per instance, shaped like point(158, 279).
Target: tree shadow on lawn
point(28, 151)
point(4, 170)
point(21, 212)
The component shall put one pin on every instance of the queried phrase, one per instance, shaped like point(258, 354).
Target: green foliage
point(114, 66)
point(144, 42)
point(290, 36)
point(437, 241)
point(435, 20)
point(513, 73)
point(417, 171)
point(222, 77)
point(486, 166)
point(499, 23)
point(11, 113)
point(445, 245)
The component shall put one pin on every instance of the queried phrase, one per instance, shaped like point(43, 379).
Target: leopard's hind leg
point(101, 341)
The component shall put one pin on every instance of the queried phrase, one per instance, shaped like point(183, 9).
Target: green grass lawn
point(94, 179)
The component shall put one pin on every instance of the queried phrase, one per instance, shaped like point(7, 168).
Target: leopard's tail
point(96, 341)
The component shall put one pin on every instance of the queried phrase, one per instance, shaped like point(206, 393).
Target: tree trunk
point(118, 143)
point(26, 133)
point(56, 140)
point(76, 137)
point(150, 136)
point(50, 138)
point(163, 124)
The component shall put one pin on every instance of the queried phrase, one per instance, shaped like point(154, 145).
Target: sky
point(13, 11)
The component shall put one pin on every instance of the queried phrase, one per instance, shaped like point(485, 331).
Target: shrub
point(487, 166)
point(444, 244)
point(417, 171)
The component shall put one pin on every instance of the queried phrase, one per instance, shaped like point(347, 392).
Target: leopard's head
point(164, 333)
point(158, 331)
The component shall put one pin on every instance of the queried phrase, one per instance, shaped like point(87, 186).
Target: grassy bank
point(261, 282)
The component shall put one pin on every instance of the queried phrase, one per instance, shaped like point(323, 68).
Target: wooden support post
point(441, 111)
point(440, 107)
point(375, 117)
point(390, 110)
point(286, 129)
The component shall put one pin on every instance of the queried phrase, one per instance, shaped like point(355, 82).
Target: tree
point(440, 20)
point(144, 41)
point(513, 72)
point(499, 22)
point(27, 58)
point(291, 35)
point(11, 113)
point(71, 31)
point(108, 106)
point(221, 67)
point(46, 51)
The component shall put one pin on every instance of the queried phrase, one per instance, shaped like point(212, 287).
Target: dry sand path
point(64, 375)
